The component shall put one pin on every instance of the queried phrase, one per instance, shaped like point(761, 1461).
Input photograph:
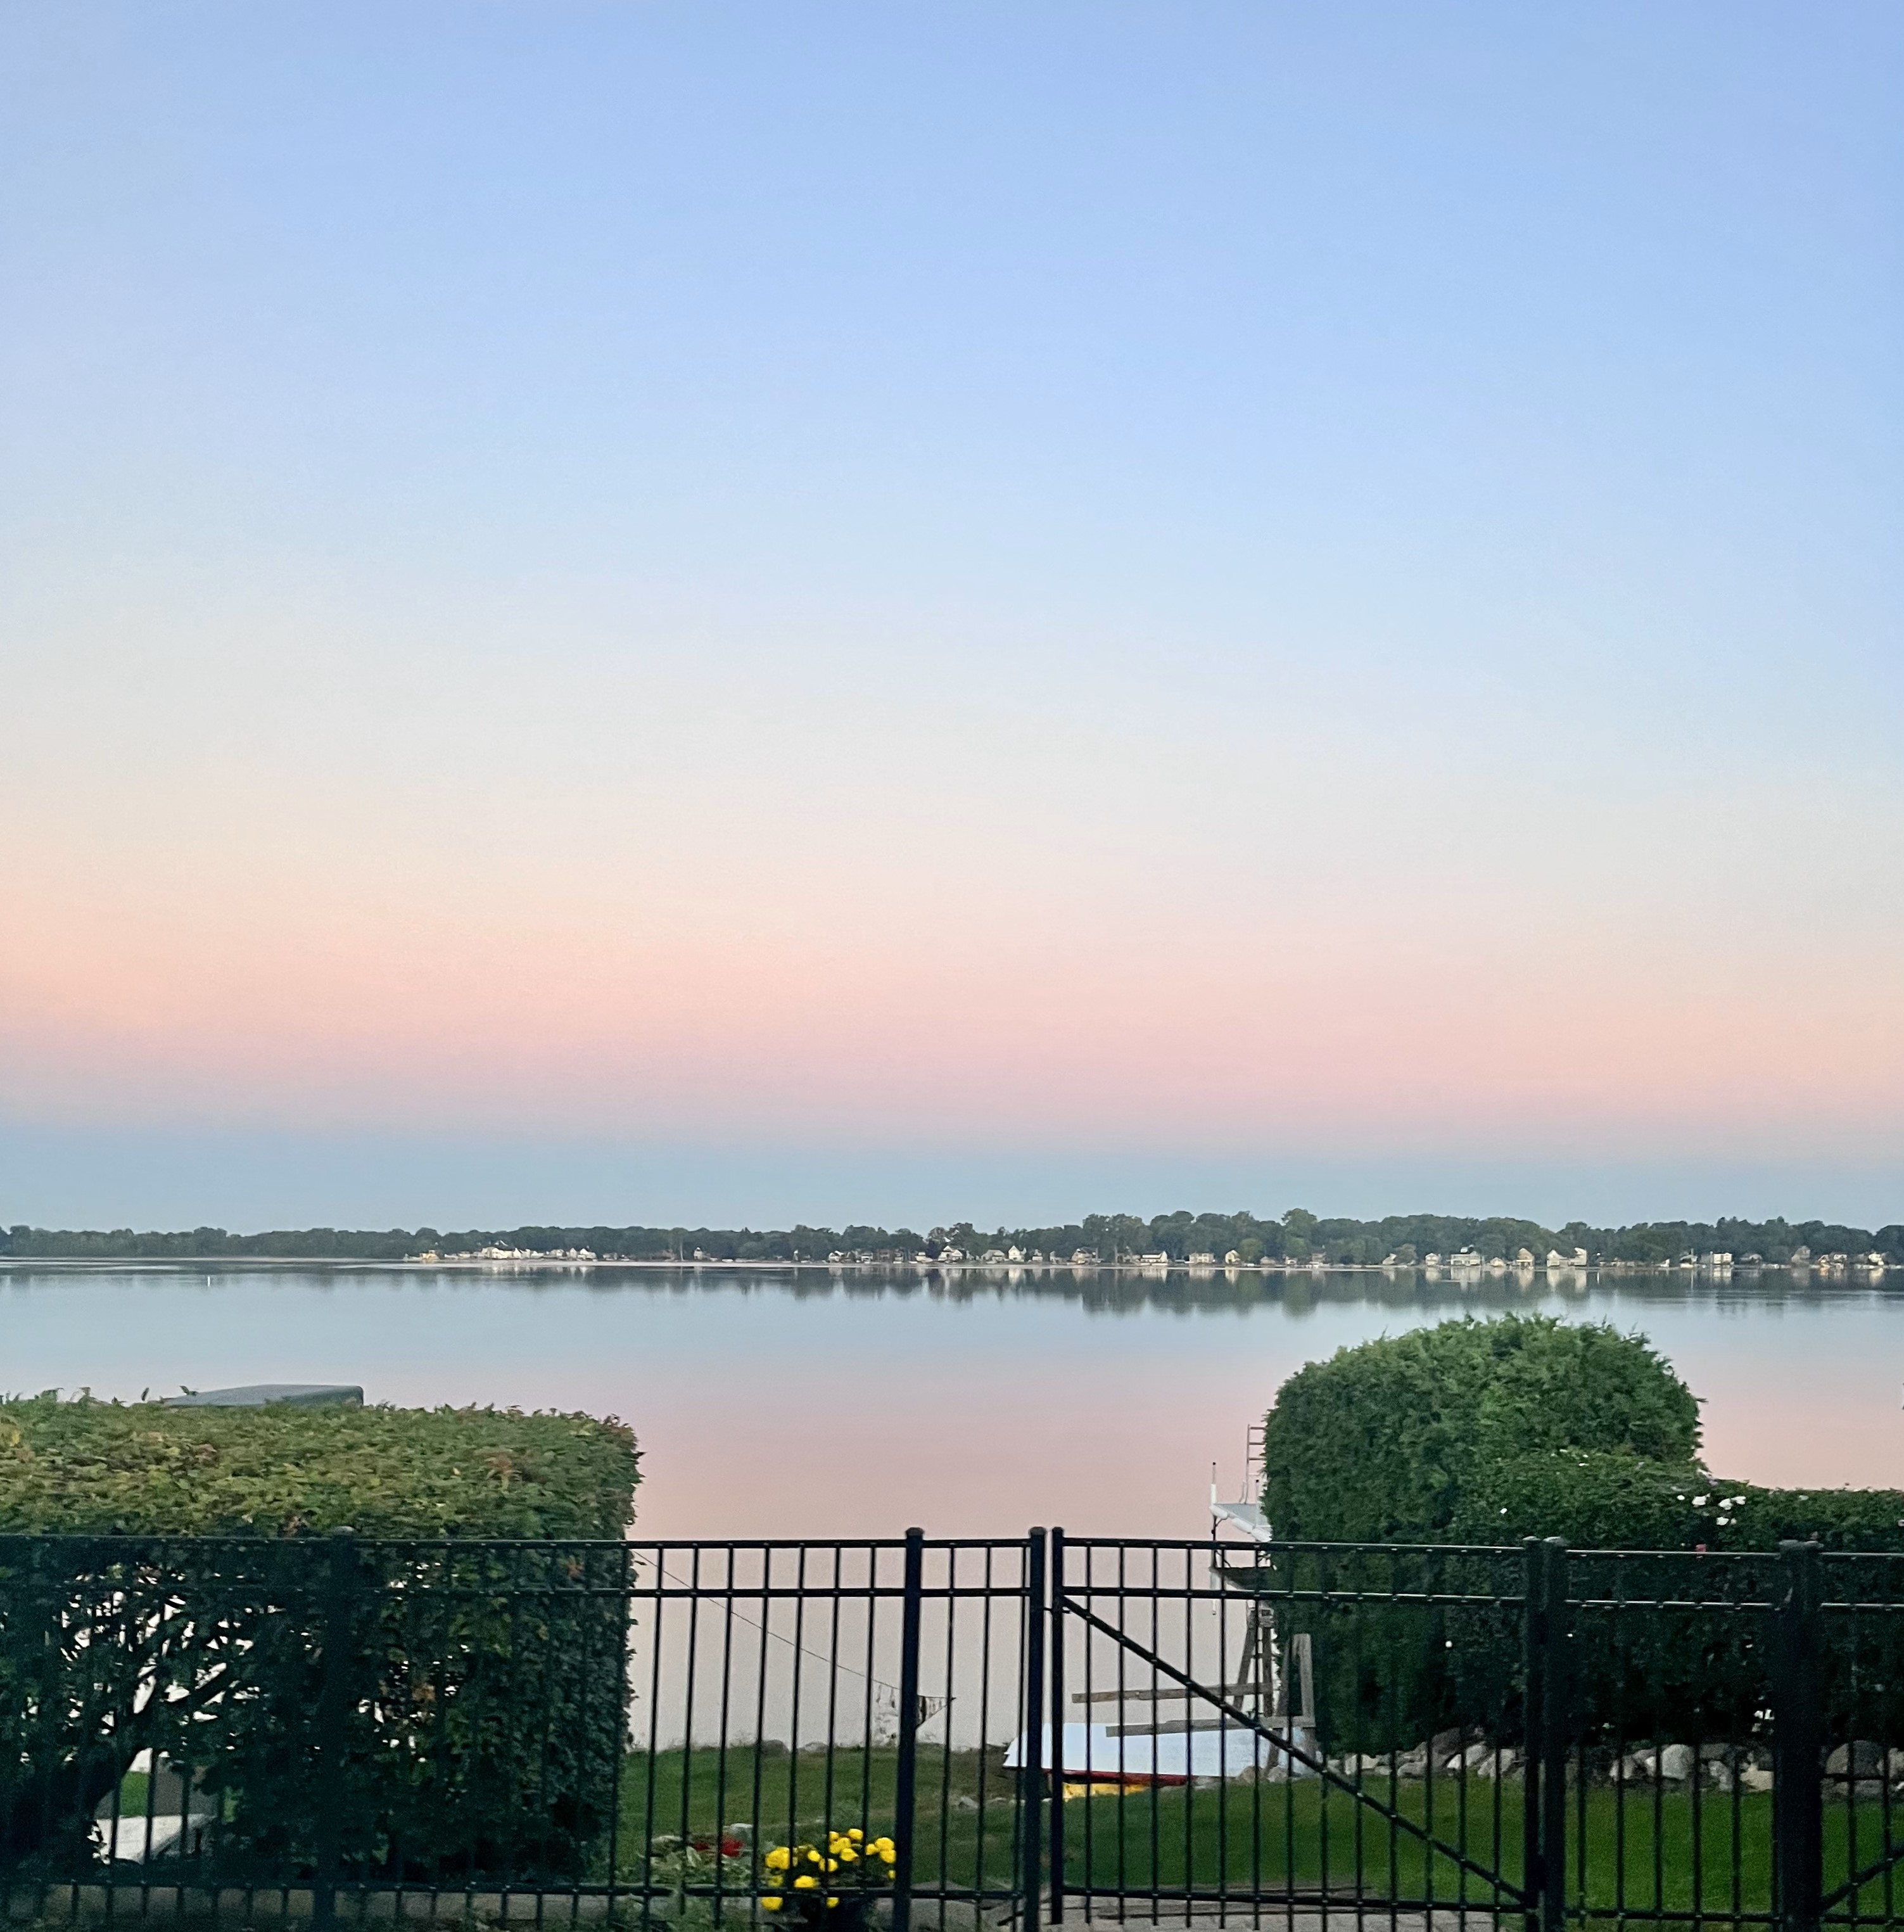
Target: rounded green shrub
point(1464, 1440)
point(1395, 1440)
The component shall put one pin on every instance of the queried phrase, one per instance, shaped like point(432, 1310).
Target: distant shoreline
point(1858, 1270)
point(1292, 1244)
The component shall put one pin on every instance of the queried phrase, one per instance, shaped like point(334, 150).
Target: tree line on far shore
point(1296, 1236)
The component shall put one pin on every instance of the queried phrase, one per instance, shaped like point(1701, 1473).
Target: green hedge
point(1595, 1501)
point(1485, 1433)
point(1384, 1442)
point(98, 1468)
point(163, 1585)
point(1488, 1431)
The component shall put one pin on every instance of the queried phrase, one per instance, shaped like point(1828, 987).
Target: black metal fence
point(938, 1732)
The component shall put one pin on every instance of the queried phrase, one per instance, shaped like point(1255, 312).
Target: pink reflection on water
point(763, 1411)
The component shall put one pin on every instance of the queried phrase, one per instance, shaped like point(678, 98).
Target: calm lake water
point(779, 1403)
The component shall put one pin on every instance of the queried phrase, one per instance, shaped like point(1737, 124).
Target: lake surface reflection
point(784, 1403)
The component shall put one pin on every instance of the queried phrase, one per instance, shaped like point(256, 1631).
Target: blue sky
point(1060, 599)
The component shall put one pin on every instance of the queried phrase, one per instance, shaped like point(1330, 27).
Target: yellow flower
point(833, 1864)
point(813, 1857)
point(806, 1882)
point(848, 1855)
point(856, 1833)
point(779, 1858)
point(770, 1905)
point(831, 1903)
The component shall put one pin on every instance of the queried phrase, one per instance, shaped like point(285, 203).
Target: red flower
point(729, 1847)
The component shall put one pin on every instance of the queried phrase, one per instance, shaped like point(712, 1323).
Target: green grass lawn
point(965, 1815)
point(1655, 1853)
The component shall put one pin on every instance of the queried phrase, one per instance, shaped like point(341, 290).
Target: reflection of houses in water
point(1566, 1272)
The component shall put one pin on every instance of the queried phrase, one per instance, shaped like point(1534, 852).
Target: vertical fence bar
point(1797, 1741)
point(333, 1714)
point(1055, 1668)
point(1031, 1812)
point(623, 1571)
point(1153, 1792)
point(1556, 1724)
point(1087, 1650)
point(905, 1796)
point(948, 1680)
point(1533, 1713)
point(651, 1790)
point(988, 1606)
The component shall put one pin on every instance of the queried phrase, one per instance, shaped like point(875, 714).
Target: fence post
point(1556, 1730)
point(905, 1803)
point(1054, 1670)
point(1031, 1812)
point(1547, 1715)
point(1534, 1650)
point(1797, 1804)
point(333, 1718)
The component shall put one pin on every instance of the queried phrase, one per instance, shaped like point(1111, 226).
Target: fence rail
point(940, 1732)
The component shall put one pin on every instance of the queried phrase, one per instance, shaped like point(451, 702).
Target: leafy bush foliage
point(1595, 1501)
point(1484, 1434)
point(448, 1705)
point(98, 1468)
point(1387, 1442)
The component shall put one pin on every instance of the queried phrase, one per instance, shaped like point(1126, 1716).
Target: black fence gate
point(919, 1732)
point(1425, 1734)
point(1306, 1766)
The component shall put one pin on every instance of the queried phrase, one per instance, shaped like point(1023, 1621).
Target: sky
point(736, 613)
